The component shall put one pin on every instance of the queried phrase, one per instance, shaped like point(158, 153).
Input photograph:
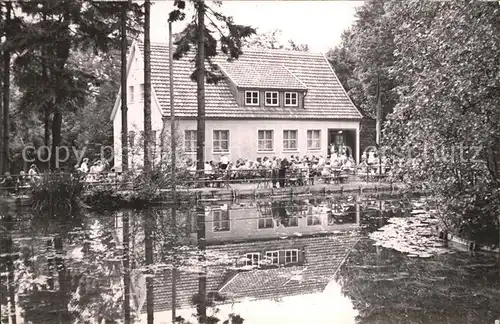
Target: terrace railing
point(263, 178)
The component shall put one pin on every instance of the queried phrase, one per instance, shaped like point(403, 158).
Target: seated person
point(335, 163)
point(363, 166)
point(208, 169)
point(22, 181)
point(347, 165)
point(371, 158)
point(325, 171)
point(321, 161)
point(224, 161)
point(33, 173)
point(8, 183)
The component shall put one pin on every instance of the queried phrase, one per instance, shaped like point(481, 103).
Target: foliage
point(438, 66)
point(99, 295)
point(446, 125)
point(365, 55)
point(221, 34)
point(271, 40)
point(105, 198)
point(65, 66)
point(56, 193)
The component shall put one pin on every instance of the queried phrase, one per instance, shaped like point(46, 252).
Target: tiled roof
point(325, 99)
point(261, 75)
point(323, 256)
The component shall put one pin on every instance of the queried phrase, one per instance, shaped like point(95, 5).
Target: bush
point(147, 185)
point(57, 192)
point(106, 198)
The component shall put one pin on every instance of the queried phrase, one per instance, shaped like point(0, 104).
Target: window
point(221, 221)
point(190, 141)
point(314, 139)
point(313, 220)
point(272, 257)
point(266, 222)
point(265, 140)
point(131, 94)
point(252, 98)
point(141, 92)
point(221, 141)
point(291, 99)
point(266, 217)
point(291, 256)
point(272, 98)
point(291, 221)
point(252, 259)
point(289, 140)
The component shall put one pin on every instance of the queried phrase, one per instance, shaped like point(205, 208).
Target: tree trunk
point(46, 126)
point(56, 133)
point(147, 87)
point(64, 283)
point(202, 277)
point(126, 268)
point(46, 106)
point(10, 270)
point(172, 115)
point(200, 69)
point(6, 96)
point(50, 266)
point(148, 240)
point(62, 55)
point(1, 133)
point(59, 261)
point(123, 54)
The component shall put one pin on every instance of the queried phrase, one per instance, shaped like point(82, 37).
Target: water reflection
point(269, 261)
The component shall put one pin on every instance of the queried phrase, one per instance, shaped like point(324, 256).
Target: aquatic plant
point(106, 198)
point(57, 193)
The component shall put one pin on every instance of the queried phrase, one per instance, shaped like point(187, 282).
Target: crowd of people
point(99, 170)
point(278, 170)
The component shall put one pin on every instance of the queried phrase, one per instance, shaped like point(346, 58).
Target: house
point(269, 103)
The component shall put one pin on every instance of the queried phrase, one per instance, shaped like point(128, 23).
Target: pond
point(325, 259)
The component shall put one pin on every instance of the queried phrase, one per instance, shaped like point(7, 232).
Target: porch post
point(357, 144)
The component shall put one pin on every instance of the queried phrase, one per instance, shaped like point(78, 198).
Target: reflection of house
point(268, 257)
point(274, 220)
point(269, 103)
point(281, 268)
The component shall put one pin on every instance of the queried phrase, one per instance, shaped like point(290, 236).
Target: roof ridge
point(281, 50)
point(226, 74)
point(341, 86)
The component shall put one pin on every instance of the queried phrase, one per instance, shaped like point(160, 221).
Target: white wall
point(243, 136)
point(135, 120)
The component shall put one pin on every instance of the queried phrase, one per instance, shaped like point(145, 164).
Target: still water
point(288, 261)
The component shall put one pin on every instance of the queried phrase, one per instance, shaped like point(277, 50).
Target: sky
point(318, 24)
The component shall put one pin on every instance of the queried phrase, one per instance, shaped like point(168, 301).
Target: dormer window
point(272, 98)
point(252, 98)
point(291, 99)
